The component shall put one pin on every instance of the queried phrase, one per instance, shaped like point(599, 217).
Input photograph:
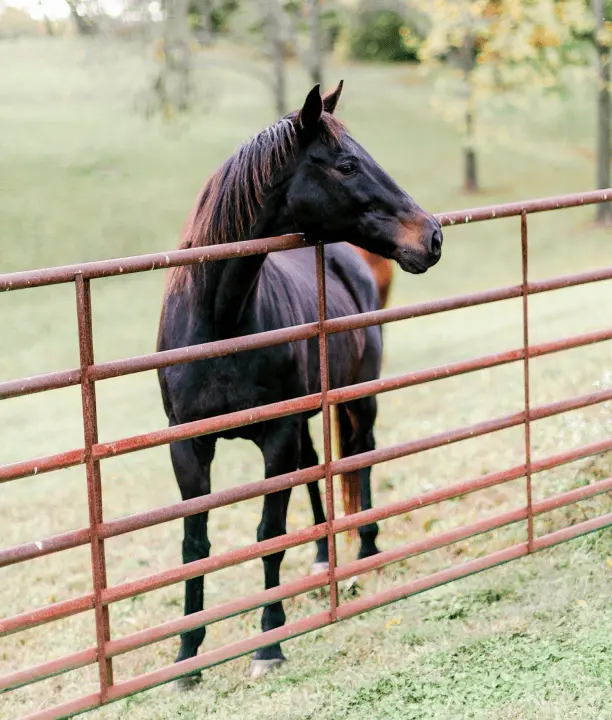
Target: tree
point(602, 41)
point(315, 59)
point(276, 28)
point(305, 18)
point(498, 46)
point(274, 25)
point(173, 83)
point(83, 18)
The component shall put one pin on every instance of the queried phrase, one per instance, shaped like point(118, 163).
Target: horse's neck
point(236, 283)
point(235, 288)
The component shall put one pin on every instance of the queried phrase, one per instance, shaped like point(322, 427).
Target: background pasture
point(83, 176)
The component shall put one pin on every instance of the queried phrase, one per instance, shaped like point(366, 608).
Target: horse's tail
point(351, 494)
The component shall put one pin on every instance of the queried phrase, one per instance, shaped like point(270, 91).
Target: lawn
point(84, 176)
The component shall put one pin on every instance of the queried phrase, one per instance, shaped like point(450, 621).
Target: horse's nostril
point(436, 243)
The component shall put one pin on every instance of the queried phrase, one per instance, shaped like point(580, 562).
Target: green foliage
point(377, 36)
point(501, 56)
point(222, 13)
point(331, 26)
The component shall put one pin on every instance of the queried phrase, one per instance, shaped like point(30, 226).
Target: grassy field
point(83, 176)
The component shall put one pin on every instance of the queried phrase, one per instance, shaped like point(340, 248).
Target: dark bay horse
point(304, 173)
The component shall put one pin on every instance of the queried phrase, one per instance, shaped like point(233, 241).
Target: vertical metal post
point(525, 280)
point(329, 481)
point(94, 484)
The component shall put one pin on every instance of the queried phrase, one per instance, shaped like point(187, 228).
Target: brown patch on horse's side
point(382, 269)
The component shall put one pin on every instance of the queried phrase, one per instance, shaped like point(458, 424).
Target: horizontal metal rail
point(505, 210)
point(45, 670)
point(45, 464)
point(48, 613)
point(152, 261)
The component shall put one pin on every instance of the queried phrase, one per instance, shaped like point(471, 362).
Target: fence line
point(93, 453)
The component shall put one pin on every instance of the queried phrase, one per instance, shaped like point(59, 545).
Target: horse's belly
point(234, 383)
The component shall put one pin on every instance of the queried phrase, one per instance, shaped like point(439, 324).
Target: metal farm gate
point(104, 647)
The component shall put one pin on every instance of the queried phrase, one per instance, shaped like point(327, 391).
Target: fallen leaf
point(393, 621)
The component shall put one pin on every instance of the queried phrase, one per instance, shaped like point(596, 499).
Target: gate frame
point(92, 452)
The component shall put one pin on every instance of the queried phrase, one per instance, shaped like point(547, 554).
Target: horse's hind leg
point(281, 450)
point(308, 458)
point(356, 421)
point(191, 460)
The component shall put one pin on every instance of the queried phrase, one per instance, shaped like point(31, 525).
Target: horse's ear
point(310, 114)
point(331, 99)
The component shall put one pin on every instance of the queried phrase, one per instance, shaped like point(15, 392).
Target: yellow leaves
point(392, 622)
point(609, 562)
point(428, 524)
point(542, 37)
point(159, 52)
point(604, 36)
point(582, 603)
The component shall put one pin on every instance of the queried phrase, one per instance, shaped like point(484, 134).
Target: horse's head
point(338, 192)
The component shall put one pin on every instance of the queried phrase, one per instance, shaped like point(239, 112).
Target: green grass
point(83, 176)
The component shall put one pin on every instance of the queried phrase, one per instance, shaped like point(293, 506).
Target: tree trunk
point(84, 25)
point(470, 174)
point(280, 82)
point(204, 31)
point(49, 29)
point(470, 184)
point(273, 21)
point(173, 84)
point(316, 41)
point(603, 214)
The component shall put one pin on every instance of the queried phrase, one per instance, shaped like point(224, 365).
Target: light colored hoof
point(259, 668)
point(189, 682)
point(319, 567)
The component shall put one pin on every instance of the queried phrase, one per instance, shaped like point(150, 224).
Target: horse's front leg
point(281, 451)
point(191, 460)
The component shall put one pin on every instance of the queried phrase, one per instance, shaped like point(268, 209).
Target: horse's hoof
point(319, 567)
point(259, 668)
point(188, 682)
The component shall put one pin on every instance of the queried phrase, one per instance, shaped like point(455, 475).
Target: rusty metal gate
point(104, 648)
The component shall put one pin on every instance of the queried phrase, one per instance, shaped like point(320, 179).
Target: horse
point(305, 173)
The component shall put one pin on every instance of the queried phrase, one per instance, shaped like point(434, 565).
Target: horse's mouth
point(409, 263)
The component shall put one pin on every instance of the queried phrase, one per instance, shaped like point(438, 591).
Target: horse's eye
point(347, 168)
